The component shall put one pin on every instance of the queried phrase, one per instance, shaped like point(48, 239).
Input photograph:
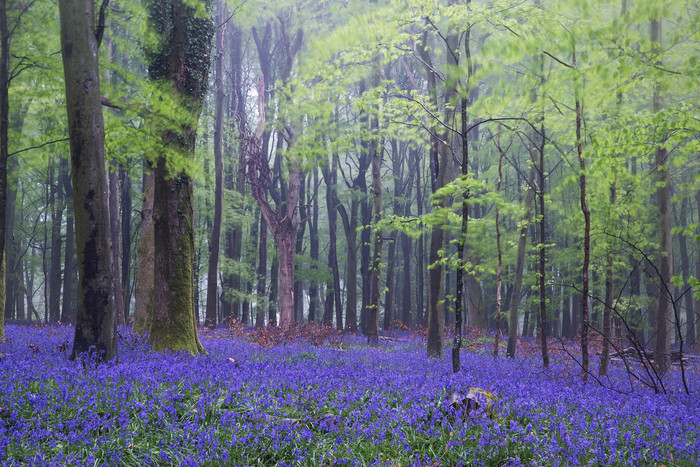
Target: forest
point(386, 232)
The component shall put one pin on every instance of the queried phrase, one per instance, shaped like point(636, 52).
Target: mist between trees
point(530, 168)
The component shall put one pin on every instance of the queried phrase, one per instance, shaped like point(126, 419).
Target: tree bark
point(662, 347)
point(115, 230)
point(54, 276)
point(4, 145)
point(514, 304)
point(143, 303)
point(378, 208)
point(609, 286)
point(586, 236)
point(95, 330)
point(215, 243)
point(126, 207)
point(314, 245)
point(182, 63)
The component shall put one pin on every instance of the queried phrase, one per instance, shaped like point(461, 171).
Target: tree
point(662, 346)
point(179, 66)
point(214, 245)
point(95, 330)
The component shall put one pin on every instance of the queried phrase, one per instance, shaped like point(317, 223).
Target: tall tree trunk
point(68, 307)
point(299, 248)
point(56, 250)
point(314, 245)
point(183, 63)
point(115, 230)
point(274, 284)
point(143, 303)
point(376, 290)
point(514, 304)
point(330, 177)
point(440, 170)
point(126, 207)
point(499, 266)
point(215, 243)
point(609, 286)
point(697, 274)
point(95, 329)
point(261, 274)
point(406, 244)
point(542, 229)
point(4, 145)
point(586, 234)
point(662, 347)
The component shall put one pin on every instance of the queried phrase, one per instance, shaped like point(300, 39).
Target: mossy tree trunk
point(180, 62)
point(143, 300)
point(95, 329)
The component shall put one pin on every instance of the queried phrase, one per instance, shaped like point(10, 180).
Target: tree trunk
point(314, 244)
point(215, 243)
point(143, 306)
point(519, 269)
point(662, 347)
point(54, 276)
point(116, 253)
point(4, 145)
point(69, 305)
point(499, 266)
point(274, 284)
point(261, 275)
point(542, 230)
point(440, 170)
point(298, 249)
point(376, 157)
point(95, 329)
point(183, 62)
point(330, 177)
point(609, 286)
point(586, 231)
point(126, 207)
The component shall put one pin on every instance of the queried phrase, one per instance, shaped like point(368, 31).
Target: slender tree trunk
point(126, 207)
point(499, 266)
point(609, 286)
point(514, 304)
point(274, 284)
point(69, 305)
point(314, 245)
point(697, 274)
point(376, 158)
point(215, 243)
point(54, 277)
point(330, 177)
point(115, 230)
point(662, 347)
point(543, 258)
point(4, 145)
point(95, 329)
point(299, 248)
point(261, 275)
point(440, 168)
point(586, 239)
point(11, 242)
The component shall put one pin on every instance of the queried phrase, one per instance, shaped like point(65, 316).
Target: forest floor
point(315, 397)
